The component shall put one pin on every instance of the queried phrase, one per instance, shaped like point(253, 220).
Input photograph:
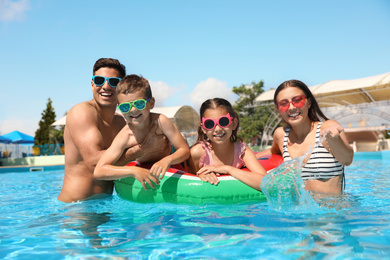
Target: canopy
point(184, 117)
point(17, 137)
point(346, 92)
point(4, 140)
point(60, 122)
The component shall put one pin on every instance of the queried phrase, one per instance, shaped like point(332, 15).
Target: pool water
point(34, 225)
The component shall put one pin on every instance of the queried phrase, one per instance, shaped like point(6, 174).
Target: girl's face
point(292, 105)
point(218, 134)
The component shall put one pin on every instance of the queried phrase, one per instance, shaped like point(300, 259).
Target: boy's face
point(128, 104)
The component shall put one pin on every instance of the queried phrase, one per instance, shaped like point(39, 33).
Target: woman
point(323, 171)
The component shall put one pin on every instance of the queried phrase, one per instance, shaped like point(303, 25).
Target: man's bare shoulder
point(82, 109)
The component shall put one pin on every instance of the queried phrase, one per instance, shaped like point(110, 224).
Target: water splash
point(284, 188)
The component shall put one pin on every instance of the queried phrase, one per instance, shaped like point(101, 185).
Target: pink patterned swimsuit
point(207, 159)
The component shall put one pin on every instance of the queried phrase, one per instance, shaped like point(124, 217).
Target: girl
point(218, 149)
point(324, 169)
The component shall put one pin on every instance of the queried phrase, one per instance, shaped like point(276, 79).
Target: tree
point(253, 118)
point(42, 135)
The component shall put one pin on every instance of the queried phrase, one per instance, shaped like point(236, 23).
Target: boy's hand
point(160, 168)
point(143, 175)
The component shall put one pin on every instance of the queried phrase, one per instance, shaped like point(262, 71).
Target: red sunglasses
point(297, 101)
point(223, 121)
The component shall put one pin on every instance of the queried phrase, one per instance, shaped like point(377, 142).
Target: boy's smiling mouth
point(135, 116)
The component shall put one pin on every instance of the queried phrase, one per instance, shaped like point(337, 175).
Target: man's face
point(105, 95)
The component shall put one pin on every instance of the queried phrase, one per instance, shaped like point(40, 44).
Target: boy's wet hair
point(110, 63)
point(215, 103)
point(134, 83)
point(314, 110)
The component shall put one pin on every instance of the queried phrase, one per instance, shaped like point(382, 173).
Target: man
point(90, 128)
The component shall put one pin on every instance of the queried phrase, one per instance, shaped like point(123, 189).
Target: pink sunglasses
point(223, 121)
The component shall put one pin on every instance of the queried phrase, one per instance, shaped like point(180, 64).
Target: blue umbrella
point(17, 137)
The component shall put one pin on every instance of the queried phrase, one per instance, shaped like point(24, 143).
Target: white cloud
point(27, 126)
point(161, 91)
point(13, 10)
point(210, 88)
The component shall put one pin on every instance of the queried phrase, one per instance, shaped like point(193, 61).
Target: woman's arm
point(336, 142)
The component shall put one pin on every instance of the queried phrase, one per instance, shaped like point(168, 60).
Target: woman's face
point(292, 105)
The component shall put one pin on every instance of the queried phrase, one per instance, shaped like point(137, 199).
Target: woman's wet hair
point(315, 112)
point(213, 104)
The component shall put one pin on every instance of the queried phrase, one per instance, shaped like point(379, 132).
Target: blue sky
point(189, 50)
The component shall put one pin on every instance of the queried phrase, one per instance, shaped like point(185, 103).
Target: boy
point(147, 136)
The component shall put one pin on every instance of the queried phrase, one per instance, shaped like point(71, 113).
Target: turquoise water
point(34, 225)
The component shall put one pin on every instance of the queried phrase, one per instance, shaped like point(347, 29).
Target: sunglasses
point(298, 102)
point(99, 81)
point(223, 121)
point(139, 104)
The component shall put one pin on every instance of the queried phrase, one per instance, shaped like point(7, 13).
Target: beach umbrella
point(17, 137)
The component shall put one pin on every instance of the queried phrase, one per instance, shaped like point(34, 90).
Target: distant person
point(147, 136)
point(218, 149)
point(324, 169)
point(90, 128)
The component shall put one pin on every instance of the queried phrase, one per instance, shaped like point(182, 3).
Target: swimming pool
point(34, 225)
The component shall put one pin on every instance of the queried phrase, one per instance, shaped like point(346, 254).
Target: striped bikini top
point(321, 164)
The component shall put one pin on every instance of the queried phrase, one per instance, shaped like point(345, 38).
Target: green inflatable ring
point(184, 188)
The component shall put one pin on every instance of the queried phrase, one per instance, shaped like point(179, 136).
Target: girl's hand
point(160, 168)
point(210, 173)
point(209, 177)
point(222, 169)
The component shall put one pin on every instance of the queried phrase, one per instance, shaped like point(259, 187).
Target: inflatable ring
point(180, 187)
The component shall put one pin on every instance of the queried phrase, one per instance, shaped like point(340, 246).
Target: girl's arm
point(197, 152)
point(174, 136)
point(251, 178)
point(105, 169)
point(336, 142)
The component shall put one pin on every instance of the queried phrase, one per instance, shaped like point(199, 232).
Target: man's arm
point(82, 125)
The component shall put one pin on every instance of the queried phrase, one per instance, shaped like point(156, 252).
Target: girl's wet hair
point(213, 104)
point(315, 112)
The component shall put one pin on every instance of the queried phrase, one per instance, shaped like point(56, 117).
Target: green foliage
point(252, 118)
point(45, 133)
